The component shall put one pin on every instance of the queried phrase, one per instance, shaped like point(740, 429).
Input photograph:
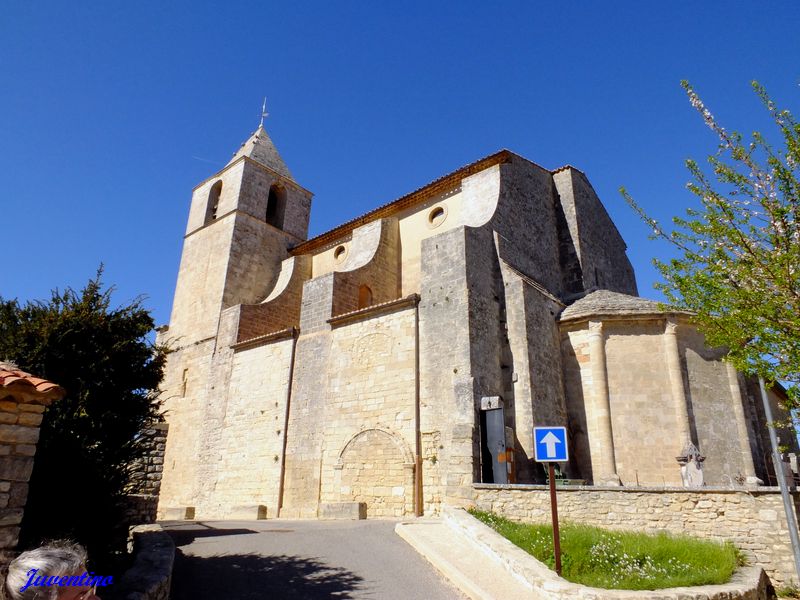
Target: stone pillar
point(142, 500)
point(23, 400)
point(675, 373)
point(607, 474)
point(741, 427)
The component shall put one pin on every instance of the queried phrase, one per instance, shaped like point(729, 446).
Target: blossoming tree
point(739, 264)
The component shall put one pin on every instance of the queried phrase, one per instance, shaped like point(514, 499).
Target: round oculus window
point(437, 216)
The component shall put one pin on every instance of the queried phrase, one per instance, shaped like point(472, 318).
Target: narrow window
point(184, 382)
point(213, 201)
point(364, 296)
point(276, 205)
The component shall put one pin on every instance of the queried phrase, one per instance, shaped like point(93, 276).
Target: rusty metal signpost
point(550, 446)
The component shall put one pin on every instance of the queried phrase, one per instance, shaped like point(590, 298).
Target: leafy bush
point(101, 356)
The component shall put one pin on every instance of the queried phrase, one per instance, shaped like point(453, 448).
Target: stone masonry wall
point(233, 259)
point(644, 422)
point(251, 445)
point(306, 413)
point(757, 426)
point(461, 343)
point(255, 255)
point(600, 248)
point(526, 223)
point(536, 389)
point(147, 472)
point(201, 281)
point(231, 178)
point(758, 433)
point(146, 477)
point(150, 575)
point(374, 260)
point(19, 432)
point(710, 405)
point(254, 193)
point(184, 392)
point(213, 408)
point(415, 225)
point(444, 361)
point(369, 437)
point(753, 520)
point(281, 309)
point(577, 371)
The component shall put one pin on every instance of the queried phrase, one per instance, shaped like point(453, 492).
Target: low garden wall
point(753, 519)
point(747, 583)
point(150, 576)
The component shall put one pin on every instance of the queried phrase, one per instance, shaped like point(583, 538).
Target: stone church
point(385, 366)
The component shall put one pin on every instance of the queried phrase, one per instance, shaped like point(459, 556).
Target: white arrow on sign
point(550, 441)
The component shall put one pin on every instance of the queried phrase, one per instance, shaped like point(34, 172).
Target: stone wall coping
point(150, 576)
point(746, 582)
point(374, 310)
point(533, 487)
point(539, 287)
point(265, 339)
point(180, 347)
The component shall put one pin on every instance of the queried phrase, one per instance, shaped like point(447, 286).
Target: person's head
point(34, 574)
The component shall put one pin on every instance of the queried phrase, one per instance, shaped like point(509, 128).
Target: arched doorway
point(377, 469)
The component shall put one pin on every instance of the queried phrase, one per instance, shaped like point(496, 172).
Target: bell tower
point(242, 221)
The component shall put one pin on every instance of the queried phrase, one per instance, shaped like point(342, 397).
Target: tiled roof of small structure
point(13, 380)
point(608, 303)
point(410, 199)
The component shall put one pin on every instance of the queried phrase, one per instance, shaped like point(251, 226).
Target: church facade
point(385, 366)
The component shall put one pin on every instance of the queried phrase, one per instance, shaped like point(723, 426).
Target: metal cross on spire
point(264, 113)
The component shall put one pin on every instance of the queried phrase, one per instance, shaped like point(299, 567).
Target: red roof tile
point(412, 198)
point(20, 383)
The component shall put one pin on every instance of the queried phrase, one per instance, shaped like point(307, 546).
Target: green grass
point(622, 560)
point(788, 591)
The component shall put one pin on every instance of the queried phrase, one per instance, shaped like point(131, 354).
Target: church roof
point(419, 195)
point(608, 303)
point(259, 147)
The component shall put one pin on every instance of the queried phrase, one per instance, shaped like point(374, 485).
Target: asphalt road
point(249, 560)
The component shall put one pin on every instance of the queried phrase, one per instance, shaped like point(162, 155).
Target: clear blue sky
point(111, 112)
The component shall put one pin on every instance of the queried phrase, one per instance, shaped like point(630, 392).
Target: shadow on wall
point(254, 577)
point(580, 453)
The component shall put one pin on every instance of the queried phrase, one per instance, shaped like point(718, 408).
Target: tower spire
point(264, 113)
point(259, 147)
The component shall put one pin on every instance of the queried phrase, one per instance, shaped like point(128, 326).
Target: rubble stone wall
point(146, 478)
point(754, 520)
point(19, 433)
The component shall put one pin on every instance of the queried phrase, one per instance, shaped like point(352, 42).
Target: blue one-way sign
point(550, 444)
